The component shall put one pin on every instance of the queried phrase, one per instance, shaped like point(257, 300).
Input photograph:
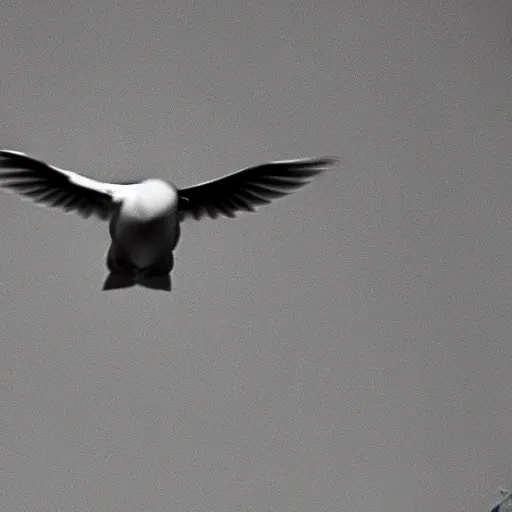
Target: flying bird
point(505, 505)
point(144, 217)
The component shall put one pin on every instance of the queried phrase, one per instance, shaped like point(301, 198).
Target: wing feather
point(54, 187)
point(249, 188)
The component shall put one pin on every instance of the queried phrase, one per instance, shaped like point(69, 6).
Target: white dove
point(145, 216)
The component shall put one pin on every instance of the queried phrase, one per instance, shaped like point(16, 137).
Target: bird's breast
point(146, 242)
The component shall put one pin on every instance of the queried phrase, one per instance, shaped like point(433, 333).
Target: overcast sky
point(347, 348)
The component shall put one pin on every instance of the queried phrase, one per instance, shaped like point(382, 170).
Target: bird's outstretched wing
point(50, 186)
point(249, 188)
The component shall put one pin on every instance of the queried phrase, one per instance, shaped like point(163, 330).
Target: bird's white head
point(150, 199)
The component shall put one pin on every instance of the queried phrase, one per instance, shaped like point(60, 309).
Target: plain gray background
point(347, 348)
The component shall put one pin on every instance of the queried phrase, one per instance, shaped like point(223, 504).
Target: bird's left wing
point(249, 188)
point(51, 186)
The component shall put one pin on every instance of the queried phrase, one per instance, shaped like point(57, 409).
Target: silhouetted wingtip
point(328, 161)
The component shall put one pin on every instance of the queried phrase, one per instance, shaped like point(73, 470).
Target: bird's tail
point(159, 282)
point(115, 281)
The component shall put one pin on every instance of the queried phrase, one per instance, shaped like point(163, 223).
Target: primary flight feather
point(145, 217)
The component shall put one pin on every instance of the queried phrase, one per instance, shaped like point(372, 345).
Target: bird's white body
point(145, 216)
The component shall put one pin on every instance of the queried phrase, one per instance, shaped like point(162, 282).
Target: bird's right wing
point(51, 186)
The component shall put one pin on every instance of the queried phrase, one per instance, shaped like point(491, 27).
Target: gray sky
point(345, 349)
